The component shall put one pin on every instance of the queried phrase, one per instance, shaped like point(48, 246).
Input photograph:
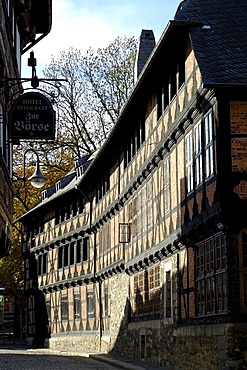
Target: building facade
point(23, 24)
point(141, 250)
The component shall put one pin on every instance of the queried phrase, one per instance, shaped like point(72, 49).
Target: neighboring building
point(23, 24)
point(141, 250)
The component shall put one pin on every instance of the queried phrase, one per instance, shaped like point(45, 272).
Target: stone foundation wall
point(214, 347)
point(78, 342)
point(163, 344)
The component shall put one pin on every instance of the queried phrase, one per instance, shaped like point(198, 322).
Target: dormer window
point(58, 185)
point(79, 171)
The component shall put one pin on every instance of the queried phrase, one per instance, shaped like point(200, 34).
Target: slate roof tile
point(221, 50)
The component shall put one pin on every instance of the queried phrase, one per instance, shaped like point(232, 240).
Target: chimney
point(146, 46)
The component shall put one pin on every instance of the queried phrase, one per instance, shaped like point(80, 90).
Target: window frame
point(243, 269)
point(210, 276)
point(145, 295)
point(77, 306)
point(168, 292)
point(90, 304)
point(199, 152)
point(64, 307)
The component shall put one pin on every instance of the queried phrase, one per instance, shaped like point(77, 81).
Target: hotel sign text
point(32, 117)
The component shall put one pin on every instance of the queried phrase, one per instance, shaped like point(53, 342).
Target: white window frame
point(168, 268)
point(189, 161)
point(167, 193)
point(198, 154)
point(209, 148)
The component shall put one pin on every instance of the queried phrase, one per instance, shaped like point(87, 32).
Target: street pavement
point(18, 357)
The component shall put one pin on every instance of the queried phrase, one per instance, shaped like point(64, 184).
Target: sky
point(82, 24)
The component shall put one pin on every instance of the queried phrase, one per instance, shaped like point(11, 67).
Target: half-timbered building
point(141, 250)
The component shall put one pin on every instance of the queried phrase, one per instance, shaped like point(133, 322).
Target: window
point(176, 78)
point(48, 309)
point(81, 205)
point(243, 270)
point(60, 257)
point(167, 185)
point(189, 162)
point(106, 302)
point(39, 264)
point(145, 298)
point(168, 294)
point(102, 187)
point(64, 308)
point(77, 306)
point(78, 250)
point(104, 238)
point(72, 253)
point(132, 210)
point(90, 304)
point(85, 250)
point(144, 214)
point(150, 218)
point(209, 157)
point(134, 142)
point(168, 306)
point(172, 84)
point(140, 211)
point(66, 255)
point(124, 233)
point(44, 265)
point(198, 152)
point(211, 283)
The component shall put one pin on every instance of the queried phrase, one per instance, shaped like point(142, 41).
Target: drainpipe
point(100, 315)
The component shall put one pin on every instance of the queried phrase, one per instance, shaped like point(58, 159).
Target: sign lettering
point(32, 117)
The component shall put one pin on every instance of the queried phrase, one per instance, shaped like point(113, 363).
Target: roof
point(62, 187)
point(221, 45)
point(217, 32)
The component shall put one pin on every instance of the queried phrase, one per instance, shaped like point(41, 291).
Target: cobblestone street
point(13, 359)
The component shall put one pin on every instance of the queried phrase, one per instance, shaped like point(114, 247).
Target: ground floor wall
point(139, 315)
point(161, 342)
point(211, 347)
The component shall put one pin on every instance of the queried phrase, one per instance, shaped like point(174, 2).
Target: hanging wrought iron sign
point(32, 117)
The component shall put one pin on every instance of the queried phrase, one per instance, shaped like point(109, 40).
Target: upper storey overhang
point(34, 19)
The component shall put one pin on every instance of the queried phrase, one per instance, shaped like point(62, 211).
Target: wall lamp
point(37, 179)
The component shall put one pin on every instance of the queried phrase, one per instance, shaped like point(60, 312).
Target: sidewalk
point(117, 361)
point(125, 363)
